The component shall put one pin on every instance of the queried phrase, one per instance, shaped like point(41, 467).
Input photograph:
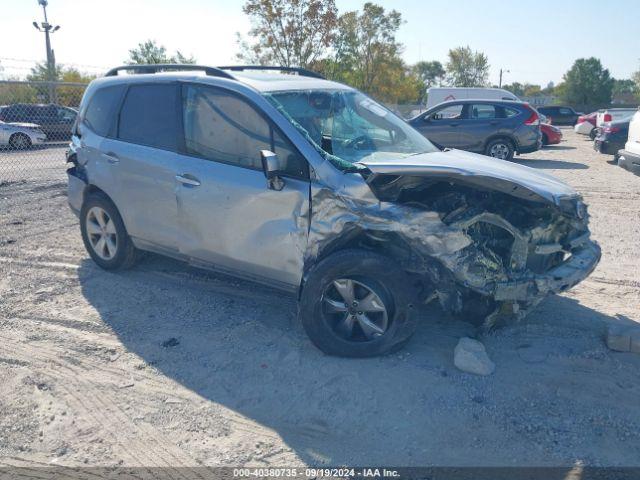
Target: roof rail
point(166, 67)
point(300, 71)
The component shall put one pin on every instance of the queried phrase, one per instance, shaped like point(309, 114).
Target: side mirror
point(272, 166)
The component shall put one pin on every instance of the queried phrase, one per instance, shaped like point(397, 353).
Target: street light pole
point(48, 29)
point(500, 82)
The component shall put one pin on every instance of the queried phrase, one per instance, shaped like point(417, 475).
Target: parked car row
point(615, 132)
point(24, 123)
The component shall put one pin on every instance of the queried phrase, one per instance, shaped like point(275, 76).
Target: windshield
point(346, 126)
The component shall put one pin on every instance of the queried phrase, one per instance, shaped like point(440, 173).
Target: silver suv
point(310, 186)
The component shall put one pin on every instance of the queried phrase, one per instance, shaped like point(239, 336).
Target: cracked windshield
point(349, 125)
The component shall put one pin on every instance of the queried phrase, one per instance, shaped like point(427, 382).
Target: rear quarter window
point(510, 112)
point(100, 113)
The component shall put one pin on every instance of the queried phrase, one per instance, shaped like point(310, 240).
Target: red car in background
point(550, 135)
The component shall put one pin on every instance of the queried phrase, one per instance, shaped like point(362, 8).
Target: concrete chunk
point(470, 356)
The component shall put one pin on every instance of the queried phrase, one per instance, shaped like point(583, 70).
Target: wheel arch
point(93, 189)
point(384, 243)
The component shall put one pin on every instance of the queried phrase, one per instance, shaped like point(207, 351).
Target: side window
point(223, 127)
point(454, 112)
point(565, 111)
point(510, 112)
point(149, 116)
point(66, 115)
point(219, 126)
point(295, 164)
point(482, 112)
point(100, 113)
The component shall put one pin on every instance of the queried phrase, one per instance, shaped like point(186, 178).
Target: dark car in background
point(496, 128)
point(559, 115)
point(55, 120)
point(612, 137)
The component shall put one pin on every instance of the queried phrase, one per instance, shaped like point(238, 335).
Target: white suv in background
point(629, 157)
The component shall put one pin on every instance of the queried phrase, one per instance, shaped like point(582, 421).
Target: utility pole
point(49, 29)
point(500, 82)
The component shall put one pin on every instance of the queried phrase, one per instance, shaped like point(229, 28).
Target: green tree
point(466, 68)
point(627, 87)
point(40, 73)
point(150, 52)
point(430, 74)
point(587, 83)
point(516, 88)
point(531, 90)
point(367, 55)
point(289, 33)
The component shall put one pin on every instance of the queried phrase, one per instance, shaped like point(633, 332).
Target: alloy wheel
point(499, 150)
point(354, 310)
point(20, 142)
point(101, 232)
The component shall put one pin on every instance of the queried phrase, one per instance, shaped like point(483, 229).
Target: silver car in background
point(312, 187)
point(20, 136)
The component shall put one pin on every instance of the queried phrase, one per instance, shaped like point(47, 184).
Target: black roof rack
point(166, 67)
point(300, 71)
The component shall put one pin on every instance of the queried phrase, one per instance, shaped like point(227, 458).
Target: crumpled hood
point(501, 175)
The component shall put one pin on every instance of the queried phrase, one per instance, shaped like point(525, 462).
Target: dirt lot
point(166, 365)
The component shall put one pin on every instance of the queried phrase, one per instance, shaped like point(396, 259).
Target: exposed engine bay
point(477, 251)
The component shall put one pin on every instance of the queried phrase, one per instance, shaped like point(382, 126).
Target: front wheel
point(356, 303)
point(20, 141)
point(593, 133)
point(500, 148)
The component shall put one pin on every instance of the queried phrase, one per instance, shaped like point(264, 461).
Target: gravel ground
point(166, 365)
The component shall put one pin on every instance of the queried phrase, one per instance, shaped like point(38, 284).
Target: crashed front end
point(467, 239)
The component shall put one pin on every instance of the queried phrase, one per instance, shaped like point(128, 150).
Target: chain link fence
point(35, 128)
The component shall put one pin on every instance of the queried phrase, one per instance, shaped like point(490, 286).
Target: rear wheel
point(104, 234)
point(593, 133)
point(20, 141)
point(501, 148)
point(357, 303)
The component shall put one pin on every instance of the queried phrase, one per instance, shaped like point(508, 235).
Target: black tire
point(126, 254)
point(379, 274)
point(593, 133)
point(20, 141)
point(545, 139)
point(503, 144)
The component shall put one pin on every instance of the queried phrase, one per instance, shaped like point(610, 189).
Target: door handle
point(111, 157)
point(187, 179)
point(453, 124)
point(495, 122)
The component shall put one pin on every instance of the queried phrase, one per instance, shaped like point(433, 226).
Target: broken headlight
point(573, 207)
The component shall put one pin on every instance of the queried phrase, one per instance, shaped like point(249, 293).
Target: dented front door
point(230, 218)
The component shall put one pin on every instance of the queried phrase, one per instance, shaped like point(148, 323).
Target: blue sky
point(537, 41)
